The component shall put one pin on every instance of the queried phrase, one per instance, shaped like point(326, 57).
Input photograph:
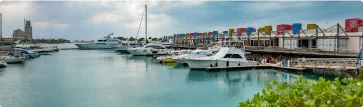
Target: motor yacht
point(192, 54)
point(104, 43)
point(225, 57)
point(12, 59)
point(150, 49)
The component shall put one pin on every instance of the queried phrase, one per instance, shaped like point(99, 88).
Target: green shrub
point(345, 93)
point(360, 76)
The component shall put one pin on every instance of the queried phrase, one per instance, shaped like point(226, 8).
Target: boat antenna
point(140, 24)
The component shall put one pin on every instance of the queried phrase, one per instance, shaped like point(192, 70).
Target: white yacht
point(150, 49)
point(12, 59)
point(104, 43)
point(42, 51)
point(126, 45)
point(193, 54)
point(225, 57)
point(167, 45)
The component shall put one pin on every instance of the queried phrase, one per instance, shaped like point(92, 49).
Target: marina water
point(93, 78)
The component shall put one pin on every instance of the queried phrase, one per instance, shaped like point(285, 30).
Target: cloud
point(274, 6)
point(89, 20)
point(106, 18)
point(61, 26)
point(47, 25)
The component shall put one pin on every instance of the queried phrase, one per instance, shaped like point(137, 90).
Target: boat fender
point(216, 64)
point(211, 65)
point(239, 64)
point(227, 63)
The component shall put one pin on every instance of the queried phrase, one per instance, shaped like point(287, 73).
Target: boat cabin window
point(101, 40)
point(232, 56)
point(101, 43)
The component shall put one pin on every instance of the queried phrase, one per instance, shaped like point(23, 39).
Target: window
point(232, 56)
point(101, 43)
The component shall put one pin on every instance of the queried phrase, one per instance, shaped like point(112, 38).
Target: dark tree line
point(61, 40)
point(139, 39)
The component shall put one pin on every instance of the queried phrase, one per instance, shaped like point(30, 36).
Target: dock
point(258, 66)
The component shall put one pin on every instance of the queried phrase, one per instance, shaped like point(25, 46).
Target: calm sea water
point(94, 78)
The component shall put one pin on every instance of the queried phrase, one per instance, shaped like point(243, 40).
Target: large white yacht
point(225, 57)
point(104, 43)
point(150, 49)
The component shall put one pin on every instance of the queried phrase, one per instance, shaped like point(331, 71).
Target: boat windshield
point(232, 56)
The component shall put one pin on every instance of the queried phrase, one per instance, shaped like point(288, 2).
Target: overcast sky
point(89, 20)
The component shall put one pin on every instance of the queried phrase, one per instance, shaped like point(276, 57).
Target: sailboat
point(149, 49)
point(124, 46)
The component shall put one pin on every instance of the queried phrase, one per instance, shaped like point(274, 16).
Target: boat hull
point(93, 46)
point(12, 60)
point(177, 60)
point(203, 64)
point(43, 52)
point(123, 51)
point(148, 51)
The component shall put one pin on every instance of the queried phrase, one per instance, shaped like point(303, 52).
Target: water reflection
point(2, 71)
point(236, 82)
point(172, 65)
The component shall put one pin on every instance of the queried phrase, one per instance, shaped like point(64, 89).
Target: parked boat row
point(21, 54)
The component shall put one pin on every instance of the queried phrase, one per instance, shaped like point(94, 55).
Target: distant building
point(18, 34)
point(28, 30)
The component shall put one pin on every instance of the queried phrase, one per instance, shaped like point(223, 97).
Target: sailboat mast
point(1, 25)
point(146, 24)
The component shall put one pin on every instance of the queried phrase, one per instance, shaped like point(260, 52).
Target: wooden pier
point(305, 64)
point(302, 52)
point(258, 66)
